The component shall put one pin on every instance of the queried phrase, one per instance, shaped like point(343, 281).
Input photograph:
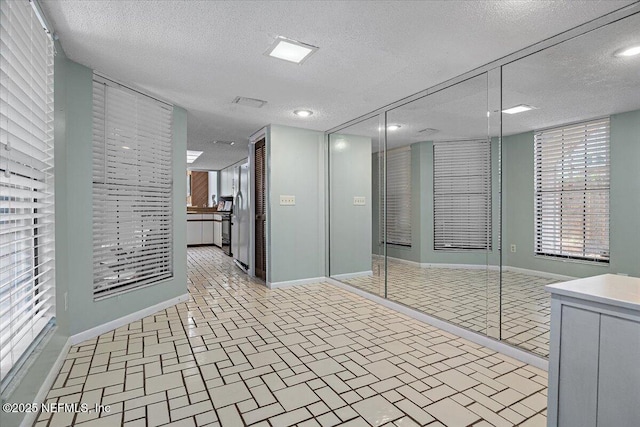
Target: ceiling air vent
point(427, 131)
point(249, 102)
point(217, 141)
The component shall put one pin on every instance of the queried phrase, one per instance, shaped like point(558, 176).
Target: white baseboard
point(30, 417)
point(460, 266)
point(403, 261)
point(117, 323)
point(286, 284)
point(493, 344)
point(346, 276)
point(538, 273)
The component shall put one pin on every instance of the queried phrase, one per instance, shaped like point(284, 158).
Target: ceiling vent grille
point(428, 131)
point(217, 141)
point(249, 102)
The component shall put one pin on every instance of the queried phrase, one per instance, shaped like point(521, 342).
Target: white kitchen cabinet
point(194, 229)
point(217, 230)
point(594, 376)
point(207, 229)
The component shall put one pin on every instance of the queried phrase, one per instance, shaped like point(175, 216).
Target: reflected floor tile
point(470, 298)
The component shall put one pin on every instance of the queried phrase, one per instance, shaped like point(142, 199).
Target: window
point(26, 182)
point(132, 189)
point(572, 191)
point(462, 195)
point(398, 198)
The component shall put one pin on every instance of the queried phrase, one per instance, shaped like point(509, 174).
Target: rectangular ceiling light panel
point(192, 156)
point(290, 50)
point(519, 109)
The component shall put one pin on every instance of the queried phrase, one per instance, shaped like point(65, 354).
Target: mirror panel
point(356, 179)
point(570, 172)
point(446, 268)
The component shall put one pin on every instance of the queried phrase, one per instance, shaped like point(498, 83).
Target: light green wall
point(350, 175)
point(84, 312)
point(624, 233)
point(295, 234)
point(421, 249)
point(73, 210)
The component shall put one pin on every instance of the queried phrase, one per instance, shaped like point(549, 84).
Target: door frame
point(253, 139)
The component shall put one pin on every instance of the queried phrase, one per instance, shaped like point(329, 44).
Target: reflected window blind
point(398, 197)
point(132, 189)
point(26, 181)
point(462, 195)
point(572, 191)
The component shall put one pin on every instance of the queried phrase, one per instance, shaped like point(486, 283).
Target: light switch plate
point(287, 200)
point(359, 201)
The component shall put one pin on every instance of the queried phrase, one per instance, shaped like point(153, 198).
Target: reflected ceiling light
point(393, 127)
point(629, 51)
point(126, 148)
point(340, 145)
point(290, 50)
point(521, 108)
point(192, 155)
point(303, 113)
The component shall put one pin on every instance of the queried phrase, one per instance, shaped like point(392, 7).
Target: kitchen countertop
point(195, 209)
point(612, 289)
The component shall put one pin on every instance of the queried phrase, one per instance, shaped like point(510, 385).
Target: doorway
point(261, 210)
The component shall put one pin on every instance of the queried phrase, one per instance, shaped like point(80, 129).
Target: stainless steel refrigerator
point(240, 220)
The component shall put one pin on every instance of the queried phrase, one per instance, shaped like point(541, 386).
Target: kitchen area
point(218, 210)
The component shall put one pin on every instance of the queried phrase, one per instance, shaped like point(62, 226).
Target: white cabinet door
point(194, 232)
point(217, 233)
point(207, 229)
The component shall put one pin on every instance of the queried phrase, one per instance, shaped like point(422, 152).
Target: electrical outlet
point(287, 200)
point(359, 201)
point(513, 248)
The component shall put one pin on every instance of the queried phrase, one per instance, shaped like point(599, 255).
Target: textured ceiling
point(202, 54)
point(577, 80)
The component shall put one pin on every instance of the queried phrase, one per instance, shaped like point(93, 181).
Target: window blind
point(462, 195)
point(132, 189)
point(572, 191)
point(398, 197)
point(26, 181)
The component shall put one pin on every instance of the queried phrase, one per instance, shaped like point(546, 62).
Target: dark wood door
point(261, 211)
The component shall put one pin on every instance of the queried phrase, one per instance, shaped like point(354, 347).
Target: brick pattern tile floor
point(470, 298)
point(238, 354)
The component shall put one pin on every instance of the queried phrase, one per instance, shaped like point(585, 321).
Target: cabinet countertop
point(612, 289)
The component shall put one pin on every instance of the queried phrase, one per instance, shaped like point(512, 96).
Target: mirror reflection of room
point(484, 191)
point(570, 172)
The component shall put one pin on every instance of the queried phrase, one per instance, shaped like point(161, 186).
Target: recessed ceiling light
point(290, 50)
point(192, 155)
point(303, 113)
point(393, 127)
point(126, 148)
point(629, 51)
point(521, 108)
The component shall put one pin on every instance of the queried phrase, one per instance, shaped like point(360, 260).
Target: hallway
point(239, 354)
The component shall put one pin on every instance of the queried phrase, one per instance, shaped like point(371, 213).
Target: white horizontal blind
point(398, 198)
point(462, 195)
point(572, 191)
point(26, 181)
point(132, 189)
